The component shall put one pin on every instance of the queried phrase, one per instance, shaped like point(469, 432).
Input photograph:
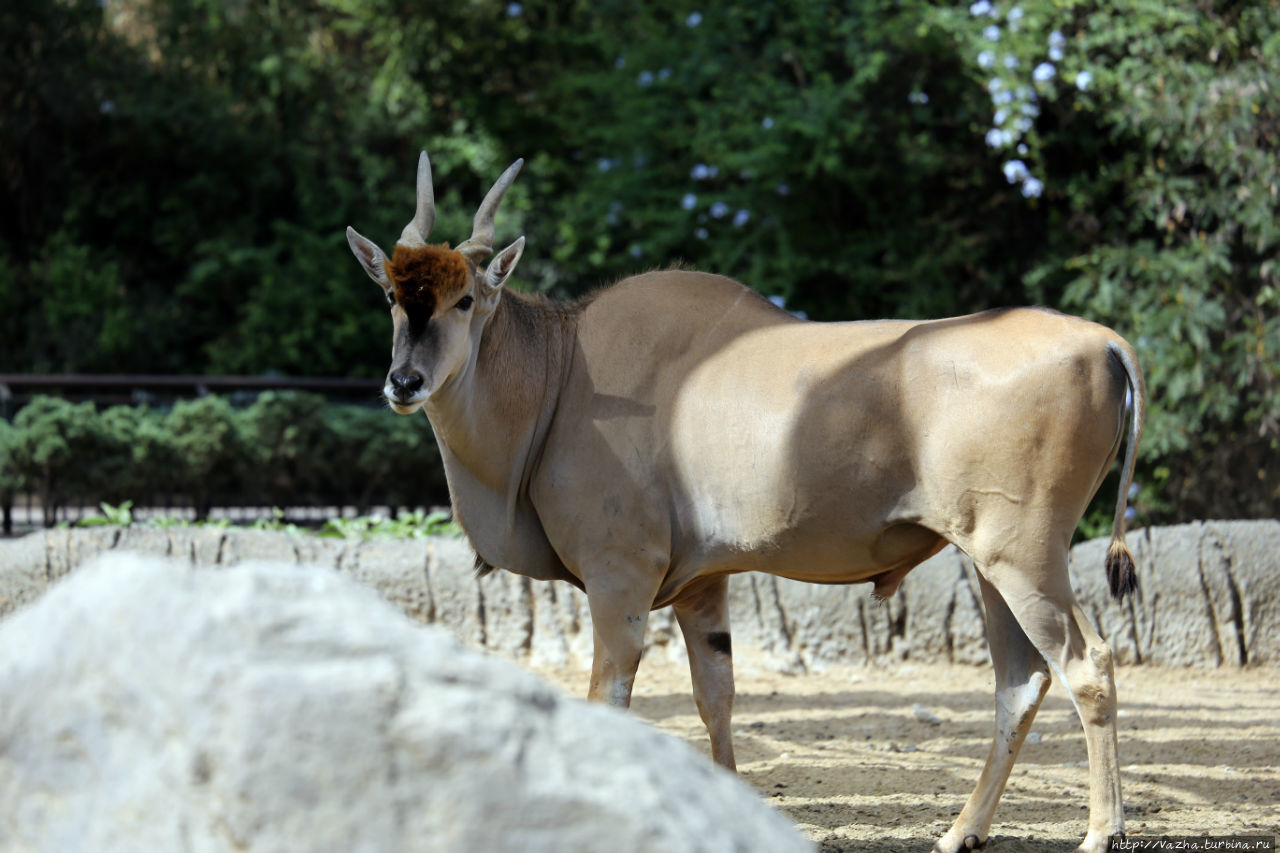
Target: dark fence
point(17, 389)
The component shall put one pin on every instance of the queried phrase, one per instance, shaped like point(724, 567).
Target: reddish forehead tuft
point(423, 277)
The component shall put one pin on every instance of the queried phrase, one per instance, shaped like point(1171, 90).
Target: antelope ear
point(370, 257)
point(503, 264)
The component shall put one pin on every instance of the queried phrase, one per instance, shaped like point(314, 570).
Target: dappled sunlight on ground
point(847, 756)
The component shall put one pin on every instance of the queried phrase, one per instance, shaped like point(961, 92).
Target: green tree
point(138, 456)
point(205, 437)
point(11, 482)
point(378, 457)
point(50, 442)
point(177, 176)
point(285, 436)
point(1156, 136)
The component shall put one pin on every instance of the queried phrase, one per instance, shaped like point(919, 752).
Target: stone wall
point(1209, 596)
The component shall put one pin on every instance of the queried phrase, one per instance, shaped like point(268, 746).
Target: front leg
point(619, 604)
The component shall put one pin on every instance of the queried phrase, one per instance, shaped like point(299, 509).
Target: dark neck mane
point(525, 349)
point(491, 445)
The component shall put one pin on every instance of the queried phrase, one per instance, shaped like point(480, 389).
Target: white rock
point(152, 706)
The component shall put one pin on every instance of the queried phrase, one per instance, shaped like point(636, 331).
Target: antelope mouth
point(404, 405)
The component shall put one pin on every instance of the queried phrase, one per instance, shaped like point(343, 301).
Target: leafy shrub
point(284, 449)
point(54, 447)
point(206, 440)
point(288, 446)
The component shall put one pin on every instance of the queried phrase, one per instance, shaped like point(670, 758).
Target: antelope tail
point(1122, 575)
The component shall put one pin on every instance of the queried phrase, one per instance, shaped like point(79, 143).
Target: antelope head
point(440, 297)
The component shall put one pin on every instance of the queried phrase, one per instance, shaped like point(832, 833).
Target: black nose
point(406, 383)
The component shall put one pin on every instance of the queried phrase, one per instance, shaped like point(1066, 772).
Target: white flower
point(604, 164)
point(719, 209)
point(107, 106)
point(1055, 53)
point(918, 97)
point(693, 20)
point(986, 59)
point(664, 73)
point(991, 33)
point(1015, 14)
point(767, 122)
point(645, 78)
point(1011, 62)
point(1022, 148)
point(1044, 72)
point(995, 84)
point(780, 301)
point(1057, 39)
point(514, 10)
point(1002, 97)
point(699, 172)
point(980, 8)
point(1015, 171)
point(701, 233)
point(620, 62)
point(1000, 117)
point(995, 137)
point(742, 217)
point(1022, 124)
point(1083, 79)
point(784, 189)
point(1030, 109)
point(1032, 188)
point(689, 202)
point(636, 251)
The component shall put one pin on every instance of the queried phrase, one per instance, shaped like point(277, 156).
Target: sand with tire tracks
point(883, 759)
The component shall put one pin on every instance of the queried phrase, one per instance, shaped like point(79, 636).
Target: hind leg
point(1038, 594)
point(1022, 679)
point(704, 620)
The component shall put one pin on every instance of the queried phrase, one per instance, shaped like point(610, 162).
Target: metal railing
point(17, 388)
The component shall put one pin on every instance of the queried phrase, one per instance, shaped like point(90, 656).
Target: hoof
point(1110, 844)
point(971, 842)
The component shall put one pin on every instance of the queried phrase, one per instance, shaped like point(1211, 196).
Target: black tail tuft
point(1122, 575)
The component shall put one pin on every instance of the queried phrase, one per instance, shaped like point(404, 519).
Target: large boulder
point(151, 705)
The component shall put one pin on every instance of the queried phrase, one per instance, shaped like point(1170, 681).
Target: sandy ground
point(844, 754)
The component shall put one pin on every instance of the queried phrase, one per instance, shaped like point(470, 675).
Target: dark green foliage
point(11, 481)
point(285, 449)
point(53, 447)
point(206, 437)
point(283, 434)
point(177, 175)
point(381, 459)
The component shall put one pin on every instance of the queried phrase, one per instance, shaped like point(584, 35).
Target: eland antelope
point(648, 441)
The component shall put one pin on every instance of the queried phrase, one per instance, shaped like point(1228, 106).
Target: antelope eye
point(464, 303)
